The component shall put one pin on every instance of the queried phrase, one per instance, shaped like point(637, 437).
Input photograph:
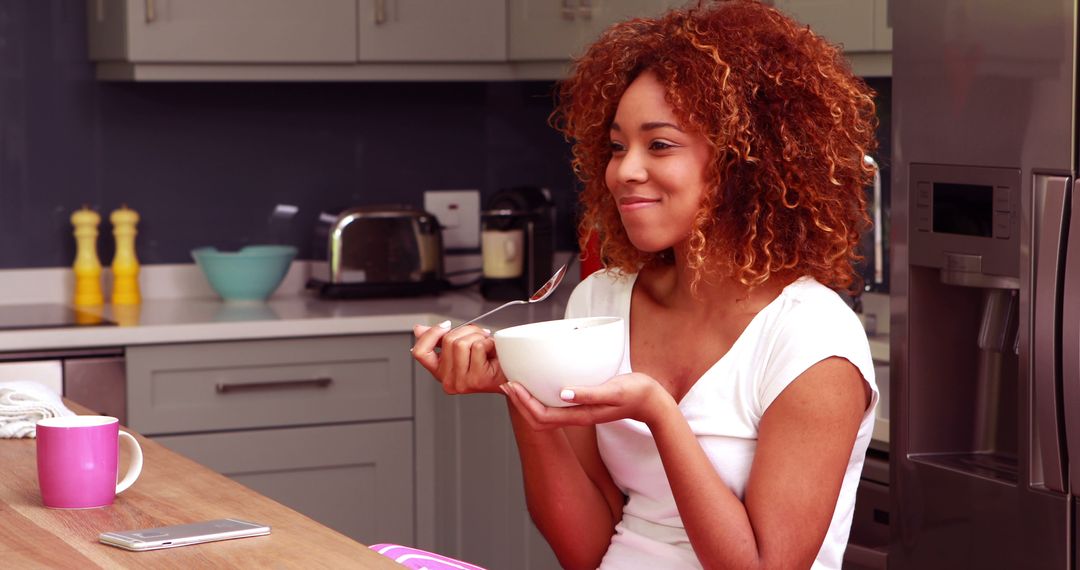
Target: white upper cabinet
point(431, 30)
point(219, 31)
point(557, 30)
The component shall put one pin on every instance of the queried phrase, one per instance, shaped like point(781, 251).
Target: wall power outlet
point(458, 212)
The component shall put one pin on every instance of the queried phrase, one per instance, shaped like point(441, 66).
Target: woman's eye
point(660, 145)
point(617, 147)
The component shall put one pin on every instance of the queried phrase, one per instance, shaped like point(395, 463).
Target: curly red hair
point(788, 122)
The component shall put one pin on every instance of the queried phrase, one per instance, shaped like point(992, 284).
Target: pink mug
point(77, 459)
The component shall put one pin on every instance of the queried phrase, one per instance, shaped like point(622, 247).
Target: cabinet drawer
point(870, 522)
point(356, 479)
point(268, 383)
point(858, 557)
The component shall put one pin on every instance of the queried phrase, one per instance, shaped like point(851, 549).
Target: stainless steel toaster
point(377, 251)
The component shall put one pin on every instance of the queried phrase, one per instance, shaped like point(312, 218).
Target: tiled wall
point(205, 163)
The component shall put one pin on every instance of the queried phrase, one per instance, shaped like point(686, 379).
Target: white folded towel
point(23, 403)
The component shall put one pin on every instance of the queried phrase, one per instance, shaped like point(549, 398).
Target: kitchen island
point(329, 414)
point(171, 490)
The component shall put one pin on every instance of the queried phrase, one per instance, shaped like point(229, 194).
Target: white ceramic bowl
point(548, 356)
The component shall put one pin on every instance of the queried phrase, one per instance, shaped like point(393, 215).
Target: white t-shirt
point(804, 325)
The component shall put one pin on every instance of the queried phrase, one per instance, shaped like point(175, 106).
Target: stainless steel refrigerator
point(985, 346)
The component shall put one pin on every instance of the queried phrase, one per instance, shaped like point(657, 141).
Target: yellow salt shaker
point(87, 267)
point(125, 266)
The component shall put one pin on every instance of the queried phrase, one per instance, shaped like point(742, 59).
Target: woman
point(721, 151)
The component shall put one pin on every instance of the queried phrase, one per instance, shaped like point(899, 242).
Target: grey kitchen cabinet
point(285, 40)
point(358, 40)
point(285, 31)
point(858, 25)
point(476, 497)
point(882, 26)
point(862, 27)
point(346, 40)
point(180, 388)
point(321, 424)
point(868, 544)
point(223, 31)
point(356, 478)
point(561, 29)
point(846, 22)
point(431, 30)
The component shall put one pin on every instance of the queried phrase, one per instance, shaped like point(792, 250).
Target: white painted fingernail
point(444, 325)
point(567, 395)
point(487, 331)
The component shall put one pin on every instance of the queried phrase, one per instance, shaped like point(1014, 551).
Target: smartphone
point(183, 535)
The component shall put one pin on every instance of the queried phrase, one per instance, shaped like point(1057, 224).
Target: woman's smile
point(634, 203)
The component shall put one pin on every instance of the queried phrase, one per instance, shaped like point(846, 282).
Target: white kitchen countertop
point(206, 319)
point(179, 306)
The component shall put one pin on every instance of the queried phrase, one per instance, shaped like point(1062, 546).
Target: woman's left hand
point(635, 396)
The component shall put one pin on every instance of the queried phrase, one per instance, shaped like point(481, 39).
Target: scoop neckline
point(739, 340)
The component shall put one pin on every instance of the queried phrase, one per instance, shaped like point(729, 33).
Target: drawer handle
point(380, 12)
point(567, 10)
point(225, 387)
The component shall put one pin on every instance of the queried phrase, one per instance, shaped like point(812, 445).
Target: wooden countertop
point(171, 490)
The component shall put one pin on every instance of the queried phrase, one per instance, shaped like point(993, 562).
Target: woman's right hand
point(465, 361)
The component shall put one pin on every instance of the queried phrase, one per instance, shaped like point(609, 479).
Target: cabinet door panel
point(268, 383)
point(467, 459)
point(356, 479)
point(561, 29)
point(882, 26)
point(846, 22)
point(431, 30)
point(236, 31)
point(543, 30)
point(604, 13)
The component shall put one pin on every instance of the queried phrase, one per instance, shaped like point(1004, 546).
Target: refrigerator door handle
point(879, 240)
point(1070, 338)
point(1051, 195)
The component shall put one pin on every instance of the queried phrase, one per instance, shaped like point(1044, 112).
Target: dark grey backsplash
point(205, 163)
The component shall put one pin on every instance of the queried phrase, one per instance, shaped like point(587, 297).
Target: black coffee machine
point(517, 242)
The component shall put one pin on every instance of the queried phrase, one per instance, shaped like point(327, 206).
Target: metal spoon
point(542, 293)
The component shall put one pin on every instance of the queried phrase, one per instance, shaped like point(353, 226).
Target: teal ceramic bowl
point(250, 274)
